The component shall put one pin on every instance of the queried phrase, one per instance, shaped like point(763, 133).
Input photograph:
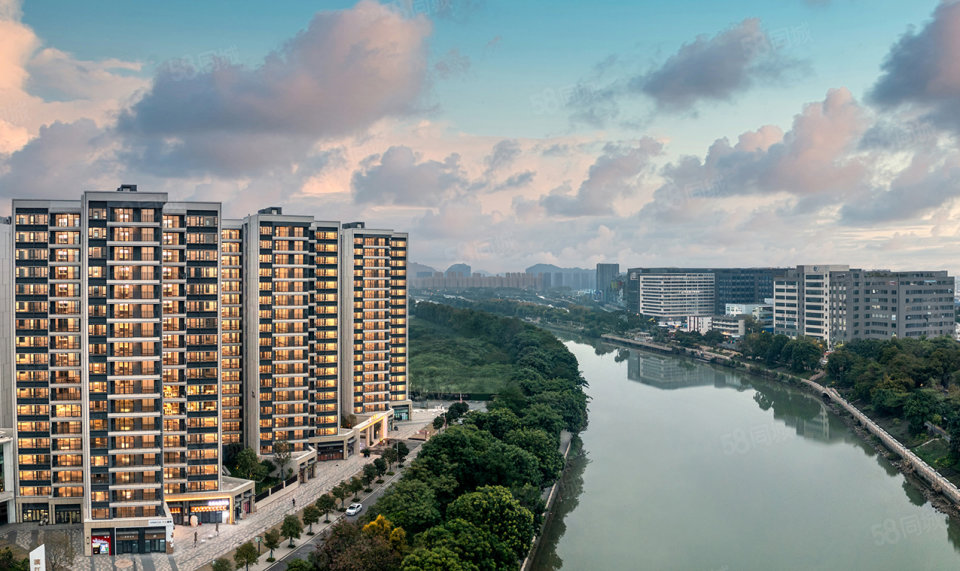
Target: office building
point(835, 304)
point(731, 285)
point(673, 295)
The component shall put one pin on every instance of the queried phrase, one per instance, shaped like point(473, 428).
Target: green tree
point(299, 565)
point(438, 422)
point(390, 456)
point(540, 415)
point(325, 503)
point(246, 555)
point(381, 465)
point(369, 474)
point(840, 366)
point(248, 465)
point(311, 515)
point(402, 451)
point(471, 544)
point(355, 487)
point(410, 504)
point(436, 559)
point(497, 422)
point(291, 528)
point(271, 540)
point(494, 509)
point(9, 561)
point(919, 407)
point(543, 446)
point(220, 564)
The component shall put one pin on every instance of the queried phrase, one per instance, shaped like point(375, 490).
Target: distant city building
point(762, 312)
point(731, 285)
point(674, 295)
point(439, 281)
point(834, 304)
point(607, 275)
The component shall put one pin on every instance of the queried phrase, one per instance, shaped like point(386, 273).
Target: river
point(690, 466)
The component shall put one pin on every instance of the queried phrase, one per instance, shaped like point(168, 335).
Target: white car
point(354, 509)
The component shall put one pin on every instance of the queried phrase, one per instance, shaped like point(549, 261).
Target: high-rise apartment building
point(374, 320)
point(606, 275)
point(117, 363)
point(145, 334)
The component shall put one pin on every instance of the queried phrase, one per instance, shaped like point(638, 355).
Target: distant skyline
point(506, 134)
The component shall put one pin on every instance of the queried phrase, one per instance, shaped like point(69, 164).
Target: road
point(312, 542)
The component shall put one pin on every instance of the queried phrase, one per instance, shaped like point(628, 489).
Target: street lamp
point(259, 539)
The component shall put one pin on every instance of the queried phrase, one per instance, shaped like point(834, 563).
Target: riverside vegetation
point(472, 499)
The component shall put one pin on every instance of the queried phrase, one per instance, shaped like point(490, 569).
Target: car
point(354, 509)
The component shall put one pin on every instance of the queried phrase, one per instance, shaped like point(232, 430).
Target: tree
point(325, 503)
point(369, 474)
point(9, 561)
point(436, 559)
point(457, 410)
point(355, 486)
point(246, 555)
point(340, 491)
point(311, 515)
point(365, 452)
point(543, 446)
point(248, 465)
point(60, 552)
point(411, 504)
point(381, 465)
point(713, 337)
point(494, 509)
point(299, 565)
point(282, 455)
point(390, 456)
point(438, 422)
point(220, 564)
point(919, 407)
point(471, 544)
point(291, 528)
point(402, 451)
point(271, 540)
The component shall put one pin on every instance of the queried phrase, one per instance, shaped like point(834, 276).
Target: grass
point(442, 360)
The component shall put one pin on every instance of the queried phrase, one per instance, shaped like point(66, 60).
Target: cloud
point(347, 70)
point(925, 185)
point(922, 69)
point(398, 177)
point(63, 160)
point(707, 69)
point(615, 174)
point(503, 155)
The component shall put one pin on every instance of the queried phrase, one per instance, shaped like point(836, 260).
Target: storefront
point(67, 514)
point(122, 541)
point(205, 511)
point(39, 513)
point(401, 412)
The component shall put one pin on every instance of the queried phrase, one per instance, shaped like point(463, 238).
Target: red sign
point(100, 544)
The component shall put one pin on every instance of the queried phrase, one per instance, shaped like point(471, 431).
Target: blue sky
point(606, 115)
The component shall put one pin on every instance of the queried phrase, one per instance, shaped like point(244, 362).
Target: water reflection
point(571, 486)
point(670, 372)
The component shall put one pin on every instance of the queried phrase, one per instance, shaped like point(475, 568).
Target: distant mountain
point(550, 268)
point(419, 270)
point(461, 269)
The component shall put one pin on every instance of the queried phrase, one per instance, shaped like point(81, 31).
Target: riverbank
point(566, 446)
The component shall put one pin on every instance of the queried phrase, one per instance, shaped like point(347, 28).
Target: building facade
point(834, 304)
point(731, 285)
point(673, 295)
point(606, 276)
point(145, 334)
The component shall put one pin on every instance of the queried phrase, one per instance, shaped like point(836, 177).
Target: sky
point(504, 134)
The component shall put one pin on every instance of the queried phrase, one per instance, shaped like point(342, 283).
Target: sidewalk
point(188, 557)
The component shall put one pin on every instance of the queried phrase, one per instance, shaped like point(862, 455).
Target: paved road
point(312, 542)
